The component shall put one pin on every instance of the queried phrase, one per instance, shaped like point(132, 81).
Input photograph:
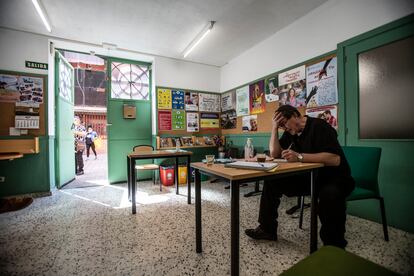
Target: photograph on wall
point(242, 101)
point(164, 120)
point(293, 94)
point(321, 83)
point(257, 97)
point(164, 98)
point(209, 102)
point(192, 122)
point(271, 89)
point(177, 99)
point(191, 101)
point(327, 113)
point(249, 123)
point(228, 101)
point(20, 88)
point(228, 119)
point(209, 120)
point(178, 120)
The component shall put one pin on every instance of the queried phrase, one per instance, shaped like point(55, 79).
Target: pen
point(290, 146)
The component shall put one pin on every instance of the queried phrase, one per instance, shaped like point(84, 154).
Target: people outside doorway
point(79, 133)
point(91, 135)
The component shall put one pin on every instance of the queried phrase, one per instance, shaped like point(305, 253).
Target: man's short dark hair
point(288, 111)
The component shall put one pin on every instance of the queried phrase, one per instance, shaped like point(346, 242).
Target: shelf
point(189, 147)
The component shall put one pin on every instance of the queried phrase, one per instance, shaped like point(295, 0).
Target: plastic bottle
point(248, 149)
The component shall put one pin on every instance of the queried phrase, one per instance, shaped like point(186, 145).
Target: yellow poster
point(164, 98)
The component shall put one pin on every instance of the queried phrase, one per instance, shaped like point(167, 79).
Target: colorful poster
point(249, 123)
point(178, 120)
point(257, 97)
point(327, 113)
point(209, 102)
point(164, 98)
point(164, 120)
point(228, 101)
point(177, 99)
point(191, 101)
point(192, 122)
point(321, 83)
point(17, 88)
point(271, 89)
point(242, 101)
point(209, 120)
point(228, 119)
point(293, 94)
point(292, 75)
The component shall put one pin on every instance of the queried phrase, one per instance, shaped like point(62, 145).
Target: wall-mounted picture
point(271, 89)
point(321, 83)
point(178, 119)
point(192, 122)
point(249, 123)
point(293, 94)
point(327, 113)
point(242, 101)
point(209, 102)
point(228, 101)
point(209, 120)
point(164, 98)
point(257, 97)
point(228, 119)
point(164, 120)
point(177, 99)
point(191, 101)
point(20, 88)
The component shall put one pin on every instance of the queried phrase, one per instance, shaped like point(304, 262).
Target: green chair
point(364, 163)
point(330, 260)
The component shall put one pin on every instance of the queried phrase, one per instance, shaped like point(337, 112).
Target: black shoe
point(80, 173)
point(260, 234)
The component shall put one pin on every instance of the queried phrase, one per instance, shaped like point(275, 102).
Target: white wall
point(314, 34)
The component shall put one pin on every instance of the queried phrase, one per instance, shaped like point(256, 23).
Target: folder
point(252, 165)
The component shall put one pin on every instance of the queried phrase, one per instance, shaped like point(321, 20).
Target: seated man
point(307, 139)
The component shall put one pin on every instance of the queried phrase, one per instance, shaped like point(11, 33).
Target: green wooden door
point(396, 166)
point(129, 84)
point(64, 95)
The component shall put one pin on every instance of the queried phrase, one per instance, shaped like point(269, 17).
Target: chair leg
point(383, 218)
point(256, 191)
point(153, 177)
point(302, 205)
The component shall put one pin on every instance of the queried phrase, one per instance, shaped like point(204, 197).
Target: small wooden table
point(10, 155)
point(132, 157)
point(239, 176)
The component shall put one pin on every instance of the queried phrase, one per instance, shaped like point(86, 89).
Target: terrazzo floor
point(87, 229)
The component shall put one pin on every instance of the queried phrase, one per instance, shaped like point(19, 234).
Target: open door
point(64, 99)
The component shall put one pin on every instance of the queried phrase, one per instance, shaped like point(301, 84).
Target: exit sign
point(36, 65)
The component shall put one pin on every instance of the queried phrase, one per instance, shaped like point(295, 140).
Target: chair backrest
point(364, 163)
point(141, 148)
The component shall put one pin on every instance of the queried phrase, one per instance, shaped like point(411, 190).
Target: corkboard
point(8, 110)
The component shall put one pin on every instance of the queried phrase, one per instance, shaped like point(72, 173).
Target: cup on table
point(261, 157)
point(210, 159)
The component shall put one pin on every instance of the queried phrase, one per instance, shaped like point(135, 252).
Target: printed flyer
point(178, 120)
point(164, 120)
point(164, 98)
point(327, 113)
point(18, 88)
point(249, 123)
point(242, 101)
point(257, 97)
point(228, 101)
point(209, 120)
point(209, 102)
point(271, 89)
point(228, 119)
point(192, 122)
point(191, 101)
point(177, 99)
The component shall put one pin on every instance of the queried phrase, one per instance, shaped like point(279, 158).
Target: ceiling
point(161, 27)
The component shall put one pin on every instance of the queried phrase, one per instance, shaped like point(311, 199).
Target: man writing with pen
point(307, 139)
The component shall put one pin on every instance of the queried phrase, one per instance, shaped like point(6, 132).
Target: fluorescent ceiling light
point(42, 13)
point(199, 37)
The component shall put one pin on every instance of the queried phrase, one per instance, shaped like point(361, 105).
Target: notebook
point(252, 165)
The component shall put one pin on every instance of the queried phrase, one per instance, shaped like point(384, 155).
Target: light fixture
point(42, 13)
point(206, 30)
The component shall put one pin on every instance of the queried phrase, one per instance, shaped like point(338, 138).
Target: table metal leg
point(314, 218)
point(176, 176)
point(235, 227)
point(129, 177)
point(133, 187)
point(199, 248)
point(188, 180)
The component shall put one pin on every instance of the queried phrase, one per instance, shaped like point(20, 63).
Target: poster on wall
point(321, 83)
point(178, 120)
point(228, 101)
point(292, 75)
point(293, 94)
point(271, 89)
point(209, 120)
point(257, 97)
point(209, 102)
point(249, 123)
point(192, 122)
point(164, 98)
point(164, 120)
point(242, 101)
point(327, 113)
point(177, 99)
point(228, 119)
point(20, 88)
point(191, 101)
